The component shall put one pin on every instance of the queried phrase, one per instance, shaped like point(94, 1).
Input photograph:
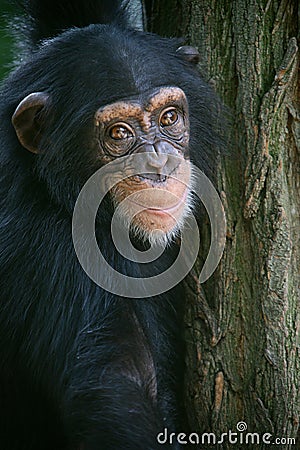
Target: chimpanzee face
point(157, 127)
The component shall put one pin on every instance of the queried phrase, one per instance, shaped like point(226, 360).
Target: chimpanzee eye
point(172, 123)
point(119, 132)
point(168, 117)
point(119, 138)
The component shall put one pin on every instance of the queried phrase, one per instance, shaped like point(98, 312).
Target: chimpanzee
point(81, 366)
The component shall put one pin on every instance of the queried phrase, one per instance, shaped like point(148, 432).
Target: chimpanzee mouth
point(163, 210)
point(154, 177)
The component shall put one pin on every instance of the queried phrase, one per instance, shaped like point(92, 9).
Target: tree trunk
point(242, 326)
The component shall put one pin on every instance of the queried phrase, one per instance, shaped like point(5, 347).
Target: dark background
point(6, 51)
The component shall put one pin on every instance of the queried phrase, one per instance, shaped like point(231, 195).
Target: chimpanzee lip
point(162, 210)
point(153, 177)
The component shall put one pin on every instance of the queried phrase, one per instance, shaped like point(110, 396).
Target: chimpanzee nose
point(161, 158)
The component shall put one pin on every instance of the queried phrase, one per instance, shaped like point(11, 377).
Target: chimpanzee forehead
point(141, 108)
point(163, 96)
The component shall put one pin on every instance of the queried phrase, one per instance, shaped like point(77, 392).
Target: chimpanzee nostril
point(157, 160)
point(162, 158)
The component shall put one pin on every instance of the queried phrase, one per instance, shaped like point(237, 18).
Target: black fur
point(45, 19)
point(75, 371)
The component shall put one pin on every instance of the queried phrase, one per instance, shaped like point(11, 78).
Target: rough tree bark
point(242, 326)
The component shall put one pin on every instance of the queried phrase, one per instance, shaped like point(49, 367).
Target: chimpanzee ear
point(26, 121)
point(189, 53)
